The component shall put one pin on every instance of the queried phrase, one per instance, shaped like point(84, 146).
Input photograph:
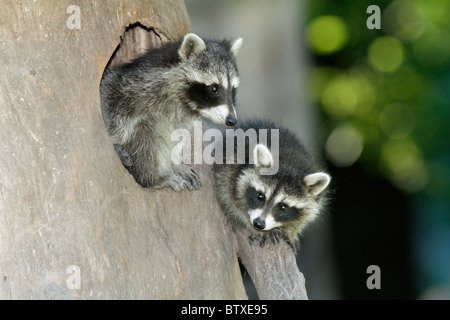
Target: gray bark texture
point(73, 222)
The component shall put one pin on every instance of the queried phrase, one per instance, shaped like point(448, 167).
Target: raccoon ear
point(262, 156)
point(316, 182)
point(236, 46)
point(191, 47)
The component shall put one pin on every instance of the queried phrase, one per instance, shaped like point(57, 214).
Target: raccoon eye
point(283, 207)
point(214, 88)
point(261, 196)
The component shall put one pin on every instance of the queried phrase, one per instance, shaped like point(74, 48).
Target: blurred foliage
point(385, 96)
point(385, 92)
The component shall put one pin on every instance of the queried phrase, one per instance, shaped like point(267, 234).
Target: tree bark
point(69, 210)
point(73, 222)
point(273, 269)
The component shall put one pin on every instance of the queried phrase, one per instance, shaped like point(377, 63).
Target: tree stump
point(73, 222)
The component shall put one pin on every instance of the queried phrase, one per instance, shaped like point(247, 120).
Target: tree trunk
point(73, 223)
point(272, 268)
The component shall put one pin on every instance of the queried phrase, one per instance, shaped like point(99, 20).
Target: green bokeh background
point(384, 96)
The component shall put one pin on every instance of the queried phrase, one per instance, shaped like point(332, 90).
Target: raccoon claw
point(184, 179)
point(176, 182)
point(274, 236)
point(290, 244)
point(192, 180)
point(277, 235)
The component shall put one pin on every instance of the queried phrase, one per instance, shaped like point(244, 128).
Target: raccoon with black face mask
point(271, 206)
point(166, 89)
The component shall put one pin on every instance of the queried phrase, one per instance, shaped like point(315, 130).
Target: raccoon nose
point(230, 121)
point(259, 224)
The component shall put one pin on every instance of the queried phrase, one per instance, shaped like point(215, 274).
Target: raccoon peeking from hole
point(271, 206)
point(168, 88)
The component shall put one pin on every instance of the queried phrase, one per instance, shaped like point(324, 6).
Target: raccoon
point(277, 206)
point(168, 88)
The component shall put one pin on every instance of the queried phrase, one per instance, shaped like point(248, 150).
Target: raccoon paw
point(123, 155)
point(274, 236)
point(258, 239)
point(191, 178)
point(184, 178)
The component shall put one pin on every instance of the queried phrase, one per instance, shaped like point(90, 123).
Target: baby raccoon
point(168, 88)
point(276, 206)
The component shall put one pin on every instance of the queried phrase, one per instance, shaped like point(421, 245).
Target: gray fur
point(299, 184)
point(166, 89)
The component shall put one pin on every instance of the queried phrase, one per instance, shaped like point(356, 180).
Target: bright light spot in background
point(339, 97)
point(344, 94)
point(397, 121)
point(327, 34)
point(403, 20)
point(344, 146)
point(434, 11)
point(386, 54)
point(405, 164)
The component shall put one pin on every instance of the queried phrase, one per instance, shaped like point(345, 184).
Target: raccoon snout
point(230, 121)
point(259, 223)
